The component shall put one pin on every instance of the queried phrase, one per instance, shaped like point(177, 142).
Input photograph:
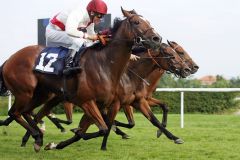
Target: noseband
point(138, 40)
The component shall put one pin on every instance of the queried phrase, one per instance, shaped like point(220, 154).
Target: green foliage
point(235, 82)
point(201, 102)
point(198, 102)
point(3, 106)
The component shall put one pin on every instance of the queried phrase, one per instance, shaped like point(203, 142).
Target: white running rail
point(182, 90)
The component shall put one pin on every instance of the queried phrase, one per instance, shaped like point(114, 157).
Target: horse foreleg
point(128, 110)
point(91, 110)
point(143, 106)
point(56, 122)
point(109, 120)
point(92, 114)
point(154, 102)
point(68, 108)
point(84, 124)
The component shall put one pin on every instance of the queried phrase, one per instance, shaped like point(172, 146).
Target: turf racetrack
point(206, 137)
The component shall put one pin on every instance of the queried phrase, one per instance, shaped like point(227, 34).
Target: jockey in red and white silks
point(74, 28)
point(67, 28)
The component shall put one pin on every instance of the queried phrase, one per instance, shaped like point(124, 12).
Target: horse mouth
point(182, 73)
point(151, 45)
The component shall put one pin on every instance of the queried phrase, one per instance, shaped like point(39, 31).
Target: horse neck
point(118, 54)
point(140, 70)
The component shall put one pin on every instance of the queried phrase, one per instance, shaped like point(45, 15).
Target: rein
point(154, 61)
point(147, 83)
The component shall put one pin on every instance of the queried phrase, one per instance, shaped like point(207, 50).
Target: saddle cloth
point(51, 60)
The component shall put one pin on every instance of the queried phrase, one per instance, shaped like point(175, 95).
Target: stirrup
point(72, 70)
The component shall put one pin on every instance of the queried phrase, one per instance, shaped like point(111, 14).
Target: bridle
point(138, 40)
point(186, 60)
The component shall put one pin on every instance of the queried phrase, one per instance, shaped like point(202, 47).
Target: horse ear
point(125, 13)
point(170, 43)
point(133, 11)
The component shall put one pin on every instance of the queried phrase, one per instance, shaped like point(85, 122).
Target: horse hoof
point(125, 136)
point(103, 148)
point(159, 133)
point(50, 146)
point(37, 147)
point(178, 141)
point(63, 131)
point(23, 145)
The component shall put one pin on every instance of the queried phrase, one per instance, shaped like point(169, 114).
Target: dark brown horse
point(101, 72)
point(131, 92)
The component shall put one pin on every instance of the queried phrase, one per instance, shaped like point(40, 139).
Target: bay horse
point(131, 91)
point(101, 72)
point(153, 80)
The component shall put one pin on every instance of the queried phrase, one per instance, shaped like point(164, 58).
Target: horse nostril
point(186, 70)
point(157, 39)
point(196, 67)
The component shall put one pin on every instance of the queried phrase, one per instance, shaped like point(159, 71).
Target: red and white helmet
point(98, 6)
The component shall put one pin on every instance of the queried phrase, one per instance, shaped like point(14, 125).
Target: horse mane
point(116, 24)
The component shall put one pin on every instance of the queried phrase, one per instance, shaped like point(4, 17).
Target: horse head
point(140, 30)
point(185, 56)
point(169, 60)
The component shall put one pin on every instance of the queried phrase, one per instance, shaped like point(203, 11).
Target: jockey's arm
point(72, 26)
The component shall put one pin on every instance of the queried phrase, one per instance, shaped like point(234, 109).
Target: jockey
point(74, 29)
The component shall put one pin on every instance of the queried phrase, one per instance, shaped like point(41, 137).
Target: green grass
point(206, 137)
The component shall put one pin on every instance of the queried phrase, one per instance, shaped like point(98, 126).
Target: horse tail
point(3, 89)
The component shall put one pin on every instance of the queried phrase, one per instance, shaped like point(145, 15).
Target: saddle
point(52, 60)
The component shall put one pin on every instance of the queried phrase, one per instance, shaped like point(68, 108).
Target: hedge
point(198, 102)
point(194, 102)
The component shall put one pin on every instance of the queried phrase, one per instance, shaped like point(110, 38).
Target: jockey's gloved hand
point(104, 32)
point(134, 57)
point(104, 39)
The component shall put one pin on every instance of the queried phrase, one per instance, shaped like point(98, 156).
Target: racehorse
point(131, 91)
point(153, 79)
point(97, 83)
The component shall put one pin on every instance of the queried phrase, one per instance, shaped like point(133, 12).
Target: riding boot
point(69, 67)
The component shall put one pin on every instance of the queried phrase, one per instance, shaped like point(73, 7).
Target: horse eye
point(136, 22)
point(181, 53)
